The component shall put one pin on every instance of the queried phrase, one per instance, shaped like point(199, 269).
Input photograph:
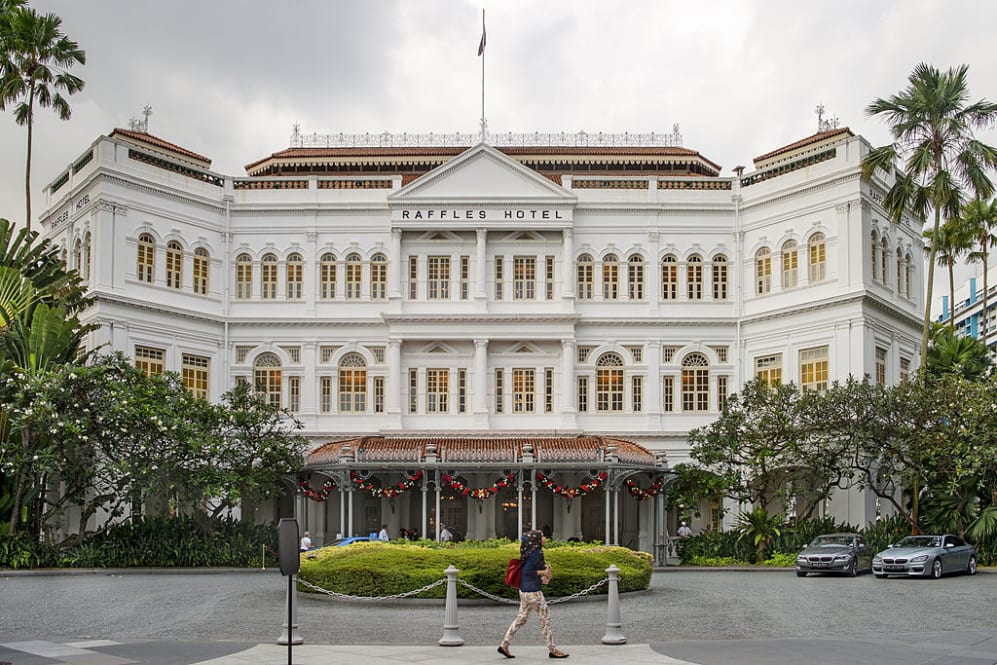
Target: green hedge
point(382, 569)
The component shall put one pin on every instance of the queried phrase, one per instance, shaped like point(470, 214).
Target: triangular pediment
point(482, 173)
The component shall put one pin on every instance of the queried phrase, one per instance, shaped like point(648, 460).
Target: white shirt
point(383, 535)
point(306, 543)
point(445, 535)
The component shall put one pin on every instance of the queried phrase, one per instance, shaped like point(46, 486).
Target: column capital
point(480, 343)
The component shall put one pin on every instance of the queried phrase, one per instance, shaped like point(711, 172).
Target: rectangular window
point(582, 353)
point(721, 393)
point(583, 394)
point(585, 280)
point(295, 272)
point(609, 390)
point(294, 394)
point(174, 266)
point(150, 360)
point(352, 390)
point(437, 390)
point(326, 353)
point(413, 278)
point(328, 278)
point(548, 390)
point(461, 391)
point(243, 279)
point(813, 368)
point(354, 277)
point(818, 260)
point(695, 389)
point(769, 369)
point(524, 277)
point(241, 381)
point(268, 284)
point(549, 277)
point(201, 272)
point(790, 267)
point(413, 391)
point(904, 369)
point(523, 390)
point(195, 375)
point(499, 277)
point(720, 280)
point(880, 366)
point(694, 275)
point(637, 353)
point(241, 352)
point(378, 394)
point(378, 278)
point(325, 394)
point(438, 278)
point(293, 353)
point(499, 390)
point(637, 396)
point(465, 277)
point(668, 393)
point(668, 353)
point(377, 352)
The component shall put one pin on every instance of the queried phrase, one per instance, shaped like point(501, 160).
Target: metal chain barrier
point(497, 599)
point(583, 592)
point(396, 596)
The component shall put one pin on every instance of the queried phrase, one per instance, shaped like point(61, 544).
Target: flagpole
point(482, 49)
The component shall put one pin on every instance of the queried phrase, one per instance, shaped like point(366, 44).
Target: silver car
point(844, 553)
point(926, 556)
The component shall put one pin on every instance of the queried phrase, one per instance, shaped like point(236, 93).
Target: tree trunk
point(951, 296)
point(27, 164)
point(983, 322)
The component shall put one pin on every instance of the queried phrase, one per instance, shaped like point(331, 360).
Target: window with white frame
point(499, 278)
point(352, 384)
point(694, 277)
point(909, 266)
point(354, 276)
point(695, 383)
point(790, 265)
point(884, 257)
point(294, 272)
point(437, 390)
point(637, 393)
point(818, 258)
point(610, 277)
point(195, 374)
point(635, 277)
point(413, 390)
point(87, 256)
point(413, 278)
point(880, 366)
point(583, 393)
point(294, 394)
point(438, 277)
point(268, 277)
point(524, 277)
point(669, 278)
point(379, 277)
point(763, 271)
point(720, 275)
point(875, 249)
point(768, 369)
point(327, 276)
point(174, 265)
point(609, 383)
point(465, 277)
point(378, 383)
point(149, 360)
point(548, 390)
point(668, 393)
point(267, 378)
point(813, 368)
point(202, 261)
point(584, 283)
point(325, 394)
point(721, 392)
point(523, 390)
point(499, 390)
point(462, 390)
point(549, 277)
point(146, 258)
point(901, 272)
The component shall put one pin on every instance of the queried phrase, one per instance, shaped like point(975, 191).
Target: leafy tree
point(950, 243)
point(932, 126)
point(950, 353)
point(980, 220)
point(760, 528)
point(36, 58)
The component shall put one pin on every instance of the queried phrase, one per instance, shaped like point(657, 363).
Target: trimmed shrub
point(383, 569)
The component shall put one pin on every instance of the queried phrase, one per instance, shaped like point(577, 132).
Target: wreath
point(479, 493)
point(387, 492)
point(317, 495)
point(572, 492)
point(640, 494)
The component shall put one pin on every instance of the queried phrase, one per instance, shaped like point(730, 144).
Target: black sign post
point(290, 564)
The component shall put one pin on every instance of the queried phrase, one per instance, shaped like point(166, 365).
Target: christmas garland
point(572, 492)
point(317, 495)
point(641, 494)
point(386, 492)
point(480, 493)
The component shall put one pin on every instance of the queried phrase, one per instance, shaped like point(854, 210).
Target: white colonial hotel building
point(446, 315)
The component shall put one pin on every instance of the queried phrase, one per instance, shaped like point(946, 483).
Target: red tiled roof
point(142, 137)
point(815, 138)
point(372, 449)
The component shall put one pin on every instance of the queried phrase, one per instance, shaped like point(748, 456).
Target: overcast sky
point(228, 78)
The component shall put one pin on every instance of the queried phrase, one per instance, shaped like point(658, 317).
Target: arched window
point(763, 271)
point(267, 378)
point(884, 256)
point(78, 256)
point(720, 277)
point(609, 383)
point(875, 256)
point(586, 271)
point(695, 383)
point(909, 263)
point(635, 277)
point(818, 258)
point(201, 262)
point(295, 276)
point(327, 276)
point(268, 277)
point(610, 277)
point(790, 265)
point(694, 277)
point(379, 277)
point(669, 278)
point(352, 384)
point(901, 272)
point(354, 276)
point(243, 276)
point(87, 260)
point(146, 258)
point(174, 265)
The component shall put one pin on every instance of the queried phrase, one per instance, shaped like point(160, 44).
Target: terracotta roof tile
point(815, 138)
point(142, 137)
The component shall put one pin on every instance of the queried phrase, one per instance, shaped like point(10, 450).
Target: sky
point(228, 79)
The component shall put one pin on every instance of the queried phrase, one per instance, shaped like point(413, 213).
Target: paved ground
point(688, 616)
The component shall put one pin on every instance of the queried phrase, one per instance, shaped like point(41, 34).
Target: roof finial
point(822, 124)
point(137, 125)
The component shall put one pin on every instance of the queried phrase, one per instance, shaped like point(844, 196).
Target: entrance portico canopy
point(561, 469)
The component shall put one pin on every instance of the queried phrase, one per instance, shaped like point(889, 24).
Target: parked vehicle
point(842, 553)
point(926, 556)
point(340, 542)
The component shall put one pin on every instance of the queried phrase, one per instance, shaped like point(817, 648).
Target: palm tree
point(932, 126)
point(957, 354)
point(36, 57)
point(951, 242)
point(980, 219)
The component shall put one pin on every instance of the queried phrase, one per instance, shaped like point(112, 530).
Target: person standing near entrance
point(382, 535)
point(535, 574)
point(445, 535)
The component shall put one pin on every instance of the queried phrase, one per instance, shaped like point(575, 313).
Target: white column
point(397, 266)
point(568, 397)
point(393, 389)
point(309, 398)
point(568, 263)
point(652, 390)
point(480, 264)
point(481, 377)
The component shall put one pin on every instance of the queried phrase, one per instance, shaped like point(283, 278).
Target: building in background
point(968, 309)
point(485, 335)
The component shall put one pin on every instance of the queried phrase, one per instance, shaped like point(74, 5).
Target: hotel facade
point(493, 334)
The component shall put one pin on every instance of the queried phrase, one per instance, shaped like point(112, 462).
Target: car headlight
point(877, 559)
point(800, 559)
point(843, 557)
point(919, 559)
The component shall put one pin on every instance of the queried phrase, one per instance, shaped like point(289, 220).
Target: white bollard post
point(451, 635)
point(614, 632)
point(291, 622)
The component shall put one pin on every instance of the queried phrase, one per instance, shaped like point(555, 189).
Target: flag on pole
point(481, 46)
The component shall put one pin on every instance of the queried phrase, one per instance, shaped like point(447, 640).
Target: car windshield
point(920, 541)
point(831, 541)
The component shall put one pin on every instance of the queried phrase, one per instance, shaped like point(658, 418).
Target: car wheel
point(852, 569)
point(936, 569)
point(971, 568)
point(801, 573)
